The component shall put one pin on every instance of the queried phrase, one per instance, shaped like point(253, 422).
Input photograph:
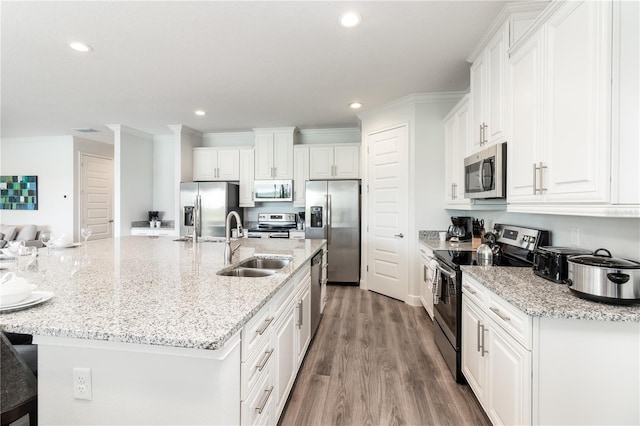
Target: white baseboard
point(413, 300)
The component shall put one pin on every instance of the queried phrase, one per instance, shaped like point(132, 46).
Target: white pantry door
point(387, 212)
point(97, 196)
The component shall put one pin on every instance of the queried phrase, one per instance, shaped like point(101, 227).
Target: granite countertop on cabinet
point(431, 240)
point(538, 297)
point(152, 291)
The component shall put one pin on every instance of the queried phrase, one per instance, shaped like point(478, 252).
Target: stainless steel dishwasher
point(316, 283)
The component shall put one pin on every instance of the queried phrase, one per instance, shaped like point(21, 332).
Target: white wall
point(52, 160)
point(133, 177)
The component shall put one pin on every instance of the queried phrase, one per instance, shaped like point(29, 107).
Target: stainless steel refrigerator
point(332, 212)
point(217, 199)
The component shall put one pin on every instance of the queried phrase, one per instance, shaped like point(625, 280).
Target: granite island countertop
point(152, 290)
point(538, 297)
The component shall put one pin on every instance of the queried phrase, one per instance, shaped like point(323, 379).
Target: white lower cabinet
point(495, 362)
point(426, 278)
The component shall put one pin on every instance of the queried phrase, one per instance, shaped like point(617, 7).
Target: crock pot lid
point(604, 261)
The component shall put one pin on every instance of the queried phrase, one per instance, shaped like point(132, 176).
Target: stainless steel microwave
point(485, 173)
point(273, 190)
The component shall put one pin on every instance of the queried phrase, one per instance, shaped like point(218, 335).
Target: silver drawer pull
point(501, 315)
point(264, 362)
point(261, 331)
point(469, 289)
point(260, 409)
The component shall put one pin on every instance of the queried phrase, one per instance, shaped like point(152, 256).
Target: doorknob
point(401, 235)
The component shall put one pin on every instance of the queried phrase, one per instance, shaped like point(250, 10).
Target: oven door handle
point(446, 271)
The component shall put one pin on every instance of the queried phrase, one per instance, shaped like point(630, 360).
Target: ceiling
point(247, 64)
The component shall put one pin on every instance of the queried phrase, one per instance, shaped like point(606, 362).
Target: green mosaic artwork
point(19, 192)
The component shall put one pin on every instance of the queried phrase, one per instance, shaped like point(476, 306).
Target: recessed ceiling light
point(350, 19)
point(355, 105)
point(200, 112)
point(85, 130)
point(80, 47)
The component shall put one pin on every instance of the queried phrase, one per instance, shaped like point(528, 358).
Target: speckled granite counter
point(151, 291)
point(538, 297)
point(430, 239)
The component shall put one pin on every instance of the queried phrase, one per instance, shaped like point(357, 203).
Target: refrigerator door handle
point(328, 218)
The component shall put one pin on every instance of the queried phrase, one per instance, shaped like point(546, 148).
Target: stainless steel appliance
point(461, 228)
point(485, 173)
point(604, 278)
point(273, 225)
point(517, 245)
point(204, 207)
point(551, 264)
point(273, 190)
point(333, 213)
point(316, 286)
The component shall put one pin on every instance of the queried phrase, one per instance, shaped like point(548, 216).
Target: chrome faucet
point(228, 253)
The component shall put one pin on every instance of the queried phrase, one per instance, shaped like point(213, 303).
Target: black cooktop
point(456, 258)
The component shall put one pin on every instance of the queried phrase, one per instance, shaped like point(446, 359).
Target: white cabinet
point(496, 354)
point(560, 153)
point(274, 153)
point(334, 161)
point(300, 174)
point(285, 366)
point(456, 126)
point(488, 92)
point(426, 272)
point(213, 164)
point(246, 177)
point(303, 323)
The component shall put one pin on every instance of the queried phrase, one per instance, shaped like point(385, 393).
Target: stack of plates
point(35, 298)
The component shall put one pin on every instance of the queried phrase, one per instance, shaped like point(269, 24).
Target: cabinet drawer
point(282, 299)
point(256, 329)
point(257, 409)
point(256, 366)
point(474, 290)
point(515, 322)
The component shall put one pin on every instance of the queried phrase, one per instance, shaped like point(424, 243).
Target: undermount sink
point(247, 272)
point(265, 263)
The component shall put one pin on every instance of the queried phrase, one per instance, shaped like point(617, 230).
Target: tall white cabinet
point(456, 134)
point(300, 174)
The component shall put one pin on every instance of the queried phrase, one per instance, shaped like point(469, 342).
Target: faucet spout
point(228, 253)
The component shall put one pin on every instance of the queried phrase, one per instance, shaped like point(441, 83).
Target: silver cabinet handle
point(535, 178)
point(478, 337)
point(263, 404)
point(484, 351)
point(469, 289)
point(265, 360)
point(424, 272)
point(542, 167)
point(484, 133)
point(502, 316)
point(300, 314)
point(480, 140)
point(261, 331)
point(400, 235)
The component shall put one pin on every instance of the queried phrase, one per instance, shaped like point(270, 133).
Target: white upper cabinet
point(300, 174)
point(488, 92)
point(560, 151)
point(274, 153)
point(246, 177)
point(216, 164)
point(456, 127)
point(334, 161)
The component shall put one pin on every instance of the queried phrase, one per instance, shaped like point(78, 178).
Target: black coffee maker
point(461, 228)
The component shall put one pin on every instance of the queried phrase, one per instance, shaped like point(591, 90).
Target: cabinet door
point(304, 321)
point(285, 364)
point(496, 93)
point(478, 99)
point(456, 140)
point(473, 356)
point(246, 178)
point(300, 174)
point(346, 160)
point(264, 156)
point(508, 390)
point(524, 148)
point(228, 164)
point(578, 111)
point(283, 155)
point(320, 162)
point(205, 163)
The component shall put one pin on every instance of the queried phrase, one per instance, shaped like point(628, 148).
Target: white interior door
point(97, 196)
point(388, 213)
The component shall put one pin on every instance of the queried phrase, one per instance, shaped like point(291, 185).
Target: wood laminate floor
point(373, 361)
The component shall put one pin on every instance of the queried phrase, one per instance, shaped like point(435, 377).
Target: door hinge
point(367, 268)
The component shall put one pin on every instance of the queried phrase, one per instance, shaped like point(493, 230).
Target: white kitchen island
point(166, 339)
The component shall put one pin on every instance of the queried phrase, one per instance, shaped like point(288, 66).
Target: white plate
point(35, 298)
point(64, 246)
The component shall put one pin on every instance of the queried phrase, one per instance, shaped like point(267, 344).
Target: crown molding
point(414, 99)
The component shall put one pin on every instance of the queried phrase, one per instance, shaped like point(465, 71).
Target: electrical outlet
point(82, 383)
point(575, 236)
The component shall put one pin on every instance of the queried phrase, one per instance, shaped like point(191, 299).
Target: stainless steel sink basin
point(264, 263)
point(247, 272)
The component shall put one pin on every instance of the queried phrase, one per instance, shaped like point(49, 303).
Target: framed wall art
point(19, 192)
